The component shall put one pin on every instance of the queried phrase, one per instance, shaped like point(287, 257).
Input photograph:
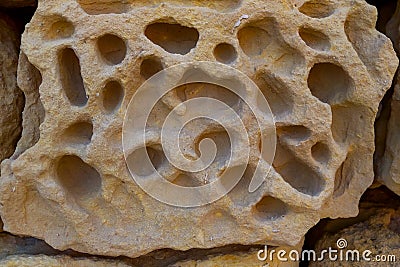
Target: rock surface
point(322, 67)
point(248, 259)
point(379, 233)
point(11, 99)
point(389, 165)
point(58, 261)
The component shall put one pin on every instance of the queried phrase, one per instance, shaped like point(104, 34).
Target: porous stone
point(11, 98)
point(321, 65)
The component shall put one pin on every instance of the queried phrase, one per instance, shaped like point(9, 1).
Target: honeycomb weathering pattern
point(321, 65)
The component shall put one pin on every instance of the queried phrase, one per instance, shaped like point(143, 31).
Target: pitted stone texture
point(321, 65)
point(11, 99)
point(389, 164)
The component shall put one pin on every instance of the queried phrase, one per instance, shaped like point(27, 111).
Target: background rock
point(379, 233)
point(57, 261)
point(323, 68)
point(11, 99)
point(389, 164)
point(18, 3)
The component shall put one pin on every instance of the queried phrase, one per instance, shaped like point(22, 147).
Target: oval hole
point(113, 93)
point(71, 78)
point(225, 53)
point(150, 66)
point(269, 208)
point(79, 133)
point(315, 39)
point(173, 38)
point(78, 178)
point(112, 49)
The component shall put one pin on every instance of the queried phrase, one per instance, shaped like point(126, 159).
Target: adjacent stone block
point(321, 65)
point(389, 165)
point(18, 3)
point(378, 233)
point(42, 260)
point(11, 98)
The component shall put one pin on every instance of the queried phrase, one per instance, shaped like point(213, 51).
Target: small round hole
point(79, 133)
point(61, 29)
point(112, 49)
point(225, 53)
point(270, 208)
point(320, 152)
point(150, 66)
point(138, 163)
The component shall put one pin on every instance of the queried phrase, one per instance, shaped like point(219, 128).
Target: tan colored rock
point(379, 233)
point(389, 164)
point(11, 99)
point(322, 67)
point(57, 261)
point(248, 259)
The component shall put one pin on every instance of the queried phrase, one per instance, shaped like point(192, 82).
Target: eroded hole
point(276, 93)
point(173, 38)
point(253, 40)
point(315, 39)
point(329, 83)
point(344, 174)
point(298, 174)
point(320, 152)
point(150, 66)
point(318, 8)
point(195, 90)
point(78, 178)
point(138, 163)
point(270, 208)
point(79, 133)
point(61, 29)
point(71, 79)
point(225, 53)
point(113, 94)
point(186, 181)
point(295, 132)
point(112, 48)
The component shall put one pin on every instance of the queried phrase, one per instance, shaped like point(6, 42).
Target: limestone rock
point(11, 99)
point(248, 259)
point(57, 261)
point(321, 65)
point(389, 164)
point(379, 234)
